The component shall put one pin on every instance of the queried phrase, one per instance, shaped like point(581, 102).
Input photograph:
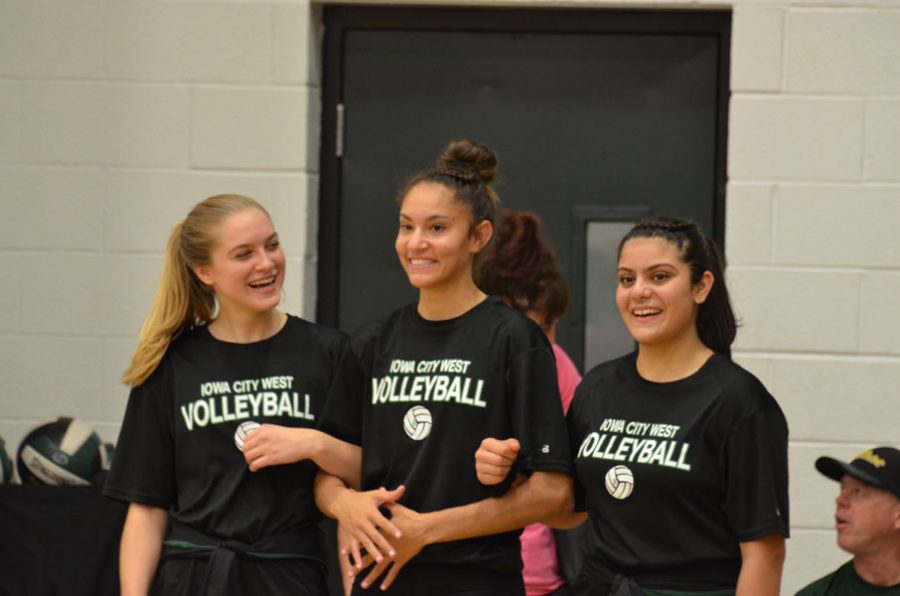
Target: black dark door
point(598, 118)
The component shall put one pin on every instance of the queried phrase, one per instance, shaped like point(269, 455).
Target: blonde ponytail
point(182, 300)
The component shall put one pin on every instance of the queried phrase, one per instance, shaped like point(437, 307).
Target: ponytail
point(182, 300)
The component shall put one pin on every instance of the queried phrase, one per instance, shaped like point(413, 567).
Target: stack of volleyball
point(63, 452)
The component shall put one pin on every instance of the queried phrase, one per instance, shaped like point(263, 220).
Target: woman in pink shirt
point(521, 269)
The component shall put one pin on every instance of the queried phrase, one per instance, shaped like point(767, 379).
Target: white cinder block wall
point(115, 117)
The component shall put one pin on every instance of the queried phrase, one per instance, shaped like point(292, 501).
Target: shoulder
point(611, 371)
point(298, 328)
point(821, 586)
point(496, 318)
point(564, 362)
point(740, 386)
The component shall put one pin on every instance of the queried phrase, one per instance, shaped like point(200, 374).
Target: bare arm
point(272, 445)
point(761, 566)
point(139, 550)
point(541, 496)
point(493, 463)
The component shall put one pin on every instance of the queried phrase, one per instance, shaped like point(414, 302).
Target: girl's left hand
point(273, 445)
point(413, 527)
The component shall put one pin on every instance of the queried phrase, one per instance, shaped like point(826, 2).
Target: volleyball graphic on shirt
point(619, 482)
point(243, 431)
point(417, 422)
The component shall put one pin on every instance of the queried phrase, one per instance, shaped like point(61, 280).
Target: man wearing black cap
point(868, 525)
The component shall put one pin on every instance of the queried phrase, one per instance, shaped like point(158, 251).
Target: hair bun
point(469, 159)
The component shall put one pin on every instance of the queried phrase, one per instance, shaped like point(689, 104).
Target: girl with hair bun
point(443, 374)
point(680, 454)
point(215, 354)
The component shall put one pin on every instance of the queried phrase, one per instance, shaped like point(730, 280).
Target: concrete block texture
point(90, 295)
point(842, 50)
point(879, 325)
point(292, 299)
point(261, 129)
point(795, 310)
point(795, 138)
point(143, 206)
point(52, 39)
point(116, 358)
point(46, 377)
point(756, 48)
point(51, 208)
point(849, 400)
point(222, 43)
point(882, 142)
point(837, 225)
point(748, 224)
point(110, 124)
point(11, 295)
point(10, 121)
point(296, 55)
point(811, 554)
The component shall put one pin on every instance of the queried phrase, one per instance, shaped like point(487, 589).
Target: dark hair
point(716, 323)
point(521, 269)
point(467, 168)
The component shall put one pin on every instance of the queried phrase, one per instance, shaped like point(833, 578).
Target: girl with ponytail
point(218, 449)
point(442, 374)
point(680, 454)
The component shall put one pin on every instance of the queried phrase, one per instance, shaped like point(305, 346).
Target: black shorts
point(441, 580)
point(248, 577)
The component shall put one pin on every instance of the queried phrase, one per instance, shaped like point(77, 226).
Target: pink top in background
point(538, 546)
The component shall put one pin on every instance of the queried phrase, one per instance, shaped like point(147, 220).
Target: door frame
point(340, 19)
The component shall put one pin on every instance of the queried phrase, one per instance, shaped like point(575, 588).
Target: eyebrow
point(650, 268)
point(430, 217)
point(247, 244)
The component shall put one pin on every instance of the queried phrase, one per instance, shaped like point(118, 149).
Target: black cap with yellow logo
point(879, 467)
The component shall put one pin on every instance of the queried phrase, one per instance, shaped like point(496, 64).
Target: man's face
point(867, 518)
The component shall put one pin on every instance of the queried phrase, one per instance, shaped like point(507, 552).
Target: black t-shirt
point(176, 447)
point(435, 390)
point(706, 457)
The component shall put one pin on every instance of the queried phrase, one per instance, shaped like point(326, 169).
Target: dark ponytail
point(716, 323)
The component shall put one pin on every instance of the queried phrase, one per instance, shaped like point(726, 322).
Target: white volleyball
point(619, 482)
point(417, 422)
point(243, 431)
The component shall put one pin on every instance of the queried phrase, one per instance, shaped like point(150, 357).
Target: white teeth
point(421, 261)
point(263, 282)
point(646, 311)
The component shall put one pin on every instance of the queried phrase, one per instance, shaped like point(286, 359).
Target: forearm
point(327, 491)
point(338, 458)
point(566, 520)
point(762, 562)
point(140, 548)
point(542, 496)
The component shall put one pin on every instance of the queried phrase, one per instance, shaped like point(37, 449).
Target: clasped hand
point(370, 539)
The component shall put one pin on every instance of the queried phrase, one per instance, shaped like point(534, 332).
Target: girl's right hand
point(494, 459)
point(365, 525)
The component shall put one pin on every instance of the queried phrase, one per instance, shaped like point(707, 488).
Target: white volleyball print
point(619, 482)
point(417, 422)
point(243, 430)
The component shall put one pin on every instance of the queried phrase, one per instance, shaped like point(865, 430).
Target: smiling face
point(867, 518)
point(246, 264)
point(436, 241)
point(655, 295)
